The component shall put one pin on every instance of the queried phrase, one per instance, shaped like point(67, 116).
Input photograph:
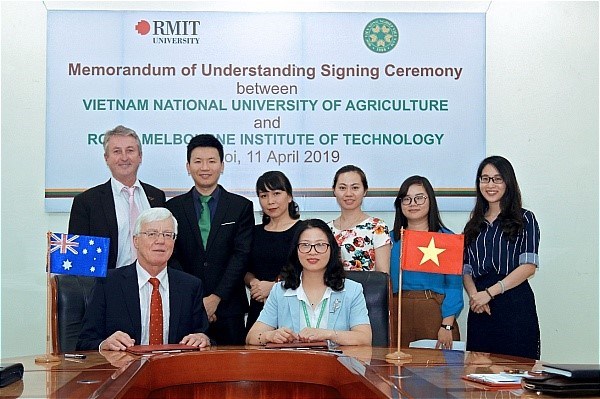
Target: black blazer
point(93, 214)
point(223, 264)
point(115, 306)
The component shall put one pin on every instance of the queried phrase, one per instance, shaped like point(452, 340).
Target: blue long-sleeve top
point(448, 284)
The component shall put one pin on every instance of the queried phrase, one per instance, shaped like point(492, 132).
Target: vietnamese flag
point(426, 251)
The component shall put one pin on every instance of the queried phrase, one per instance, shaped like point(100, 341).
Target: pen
point(74, 356)
point(169, 351)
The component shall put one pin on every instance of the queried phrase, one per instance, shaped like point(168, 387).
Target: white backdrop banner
point(396, 94)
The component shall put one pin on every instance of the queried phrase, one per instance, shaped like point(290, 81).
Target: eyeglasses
point(487, 179)
point(319, 247)
point(419, 200)
point(153, 235)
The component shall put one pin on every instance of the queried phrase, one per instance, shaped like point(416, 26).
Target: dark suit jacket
point(93, 214)
point(115, 306)
point(222, 265)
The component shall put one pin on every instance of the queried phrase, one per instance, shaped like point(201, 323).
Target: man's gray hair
point(153, 215)
point(123, 132)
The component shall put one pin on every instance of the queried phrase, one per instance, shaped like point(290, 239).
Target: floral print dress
point(358, 244)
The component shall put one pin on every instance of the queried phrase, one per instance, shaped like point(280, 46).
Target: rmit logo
point(143, 27)
point(168, 28)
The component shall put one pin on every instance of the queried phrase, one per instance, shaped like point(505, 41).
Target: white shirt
point(313, 314)
point(145, 294)
point(125, 254)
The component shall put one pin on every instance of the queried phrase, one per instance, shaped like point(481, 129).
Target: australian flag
point(78, 255)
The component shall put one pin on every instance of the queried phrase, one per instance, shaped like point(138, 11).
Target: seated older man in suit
point(146, 302)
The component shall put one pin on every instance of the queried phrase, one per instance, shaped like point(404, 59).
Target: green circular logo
point(380, 35)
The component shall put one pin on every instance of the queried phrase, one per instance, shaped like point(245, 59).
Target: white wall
point(542, 114)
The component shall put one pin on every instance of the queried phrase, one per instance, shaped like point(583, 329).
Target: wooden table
point(235, 372)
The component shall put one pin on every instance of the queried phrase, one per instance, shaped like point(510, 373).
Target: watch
point(447, 327)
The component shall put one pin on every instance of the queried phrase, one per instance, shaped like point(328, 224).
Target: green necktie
point(204, 222)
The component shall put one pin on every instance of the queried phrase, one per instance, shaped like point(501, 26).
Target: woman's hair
point(351, 168)
point(510, 217)
point(276, 180)
point(433, 217)
point(334, 273)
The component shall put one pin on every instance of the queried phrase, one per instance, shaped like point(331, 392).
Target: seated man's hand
point(199, 339)
point(118, 341)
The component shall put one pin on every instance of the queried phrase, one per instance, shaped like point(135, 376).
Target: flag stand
point(48, 357)
point(399, 355)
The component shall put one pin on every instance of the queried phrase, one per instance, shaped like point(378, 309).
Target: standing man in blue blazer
point(104, 210)
point(215, 237)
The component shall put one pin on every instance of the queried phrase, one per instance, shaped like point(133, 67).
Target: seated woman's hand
point(281, 335)
point(309, 334)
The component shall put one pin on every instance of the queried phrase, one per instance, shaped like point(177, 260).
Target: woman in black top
point(272, 238)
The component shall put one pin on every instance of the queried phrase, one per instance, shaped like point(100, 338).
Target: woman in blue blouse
point(313, 302)
point(430, 302)
point(501, 253)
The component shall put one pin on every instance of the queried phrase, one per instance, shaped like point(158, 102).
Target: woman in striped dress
point(501, 253)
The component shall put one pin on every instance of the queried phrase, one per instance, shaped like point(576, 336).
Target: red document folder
point(298, 345)
point(167, 348)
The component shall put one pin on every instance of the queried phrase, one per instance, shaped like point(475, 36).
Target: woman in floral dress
point(364, 240)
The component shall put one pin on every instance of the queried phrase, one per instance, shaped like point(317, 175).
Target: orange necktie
point(156, 314)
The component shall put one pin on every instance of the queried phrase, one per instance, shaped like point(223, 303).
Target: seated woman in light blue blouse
point(431, 302)
point(313, 302)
